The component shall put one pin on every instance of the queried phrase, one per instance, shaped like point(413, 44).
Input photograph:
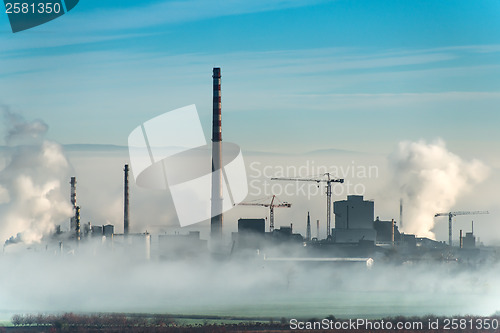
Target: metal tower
point(450, 220)
point(328, 182)
point(271, 206)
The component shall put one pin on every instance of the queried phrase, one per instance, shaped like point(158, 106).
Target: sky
point(340, 73)
point(297, 75)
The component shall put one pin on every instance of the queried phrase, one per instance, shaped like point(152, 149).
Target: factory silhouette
point(356, 236)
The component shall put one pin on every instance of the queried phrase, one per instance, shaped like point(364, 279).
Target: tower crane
point(450, 220)
point(329, 180)
point(271, 206)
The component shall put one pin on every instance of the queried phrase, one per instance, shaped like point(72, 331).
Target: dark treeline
point(94, 320)
point(70, 322)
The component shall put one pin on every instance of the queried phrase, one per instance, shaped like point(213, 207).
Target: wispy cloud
point(168, 12)
point(117, 84)
point(19, 46)
point(101, 24)
point(375, 102)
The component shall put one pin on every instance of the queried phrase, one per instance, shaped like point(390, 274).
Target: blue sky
point(297, 75)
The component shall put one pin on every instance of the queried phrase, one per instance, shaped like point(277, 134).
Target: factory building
point(97, 231)
point(408, 240)
point(285, 234)
point(256, 226)
point(429, 243)
point(469, 241)
point(108, 230)
point(354, 220)
point(251, 233)
point(387, 231)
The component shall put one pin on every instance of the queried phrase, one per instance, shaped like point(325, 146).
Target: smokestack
point(72, 221)
point(317, 229)
point(461, 239)
point(472, 228)
point(77, 223)
point(73, 191)
point(126, 202)
point(216, 222)
point(308, 230)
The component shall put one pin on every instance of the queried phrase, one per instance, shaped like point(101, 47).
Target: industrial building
point(354, 220)
point(387, 231)
point(251, 226)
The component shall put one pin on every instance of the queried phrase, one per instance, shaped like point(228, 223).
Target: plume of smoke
point(20, 131)
point(31, 200)
point(430, 179)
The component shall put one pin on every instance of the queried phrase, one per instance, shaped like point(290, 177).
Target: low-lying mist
point(98, 277)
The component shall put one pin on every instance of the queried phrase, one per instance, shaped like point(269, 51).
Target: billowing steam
point(31, 200)
point(431, 179)
point(20, 131)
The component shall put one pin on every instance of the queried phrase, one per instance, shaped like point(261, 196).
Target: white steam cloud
point(431, 179)
point(20, 131)
point(31, 200)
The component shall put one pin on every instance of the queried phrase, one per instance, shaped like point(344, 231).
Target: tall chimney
point(216, 222)
point(73, 191)
point(317, 229)
point(72, 221)
point(308, 230)
point(78, 232)
point(126, 202)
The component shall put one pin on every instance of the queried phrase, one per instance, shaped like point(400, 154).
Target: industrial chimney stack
point(78, 231)
point(72, 222)
point(126, 202)
point(308, 230)
point(73, 191)
point(216, 222)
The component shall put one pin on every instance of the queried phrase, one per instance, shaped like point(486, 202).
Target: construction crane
point(271, 206)
point(328, 182)
point(450, 220)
